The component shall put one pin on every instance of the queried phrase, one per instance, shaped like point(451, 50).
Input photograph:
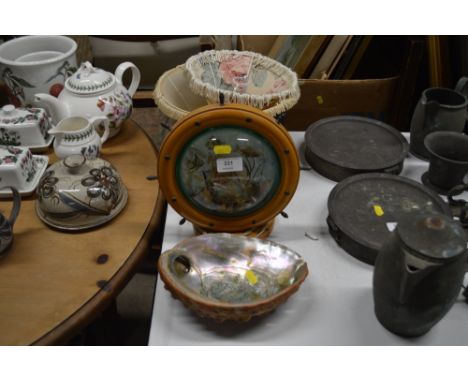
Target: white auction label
point(391, 226)
point(229, 164)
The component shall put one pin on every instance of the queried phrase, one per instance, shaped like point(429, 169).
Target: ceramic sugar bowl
point(77, 135)
point(76, 193)
point(93, 92)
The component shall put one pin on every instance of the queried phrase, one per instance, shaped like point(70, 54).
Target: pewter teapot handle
point(135, 76)
point(16, 205)
point(462, 87)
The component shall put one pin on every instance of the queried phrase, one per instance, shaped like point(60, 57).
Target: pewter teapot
point(438, 109)
point(6, 224)
point(419, 273)
point(93, 92)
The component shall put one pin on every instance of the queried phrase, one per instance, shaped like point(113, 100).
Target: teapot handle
point(16, 205)
point(135, 76)
point(95, 120)
point(462, 87)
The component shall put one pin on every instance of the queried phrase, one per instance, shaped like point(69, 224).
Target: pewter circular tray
point(364, 209)
point(339, 147)
point(81, 221)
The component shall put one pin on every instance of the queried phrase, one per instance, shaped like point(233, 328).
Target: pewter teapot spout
point(56, 109)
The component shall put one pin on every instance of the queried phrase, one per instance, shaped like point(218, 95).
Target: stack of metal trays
point(364, 210)
point(339, 147)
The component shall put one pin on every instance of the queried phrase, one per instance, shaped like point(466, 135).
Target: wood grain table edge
point(104, 297)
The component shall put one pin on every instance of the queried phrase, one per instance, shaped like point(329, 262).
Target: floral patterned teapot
point(93, 92)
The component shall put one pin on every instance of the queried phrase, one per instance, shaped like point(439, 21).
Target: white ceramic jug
point(78, 135)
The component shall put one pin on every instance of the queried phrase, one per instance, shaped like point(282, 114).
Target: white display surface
point(334, 306)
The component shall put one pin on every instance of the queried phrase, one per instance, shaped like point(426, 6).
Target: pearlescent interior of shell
point(233, 269)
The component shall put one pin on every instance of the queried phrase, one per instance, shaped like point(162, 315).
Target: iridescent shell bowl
point(231, 277)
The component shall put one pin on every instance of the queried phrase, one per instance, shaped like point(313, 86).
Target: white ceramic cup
point(36, 64)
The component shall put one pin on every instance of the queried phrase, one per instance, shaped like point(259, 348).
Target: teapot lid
point(432, 235)
point(88, 80)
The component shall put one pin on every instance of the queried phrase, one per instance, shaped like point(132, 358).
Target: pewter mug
point(6, 225)
point(439, 109)
point(419, 273)
point(448, 160)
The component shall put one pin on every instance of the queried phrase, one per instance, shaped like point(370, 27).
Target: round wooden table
point(54, 283)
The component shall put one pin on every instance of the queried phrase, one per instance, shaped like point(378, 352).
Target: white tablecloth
point(334, 306)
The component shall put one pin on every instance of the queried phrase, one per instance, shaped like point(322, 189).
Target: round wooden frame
point(239, 115)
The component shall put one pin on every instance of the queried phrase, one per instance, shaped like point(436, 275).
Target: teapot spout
point(56, 109)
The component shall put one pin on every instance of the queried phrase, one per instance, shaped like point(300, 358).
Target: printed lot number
point(229, 164)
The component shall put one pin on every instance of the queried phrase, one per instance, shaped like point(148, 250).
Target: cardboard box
point(255, 43)
point(373, 98)
point(327, 98)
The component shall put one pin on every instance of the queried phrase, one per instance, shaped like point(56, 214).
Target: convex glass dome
point(228, 168)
